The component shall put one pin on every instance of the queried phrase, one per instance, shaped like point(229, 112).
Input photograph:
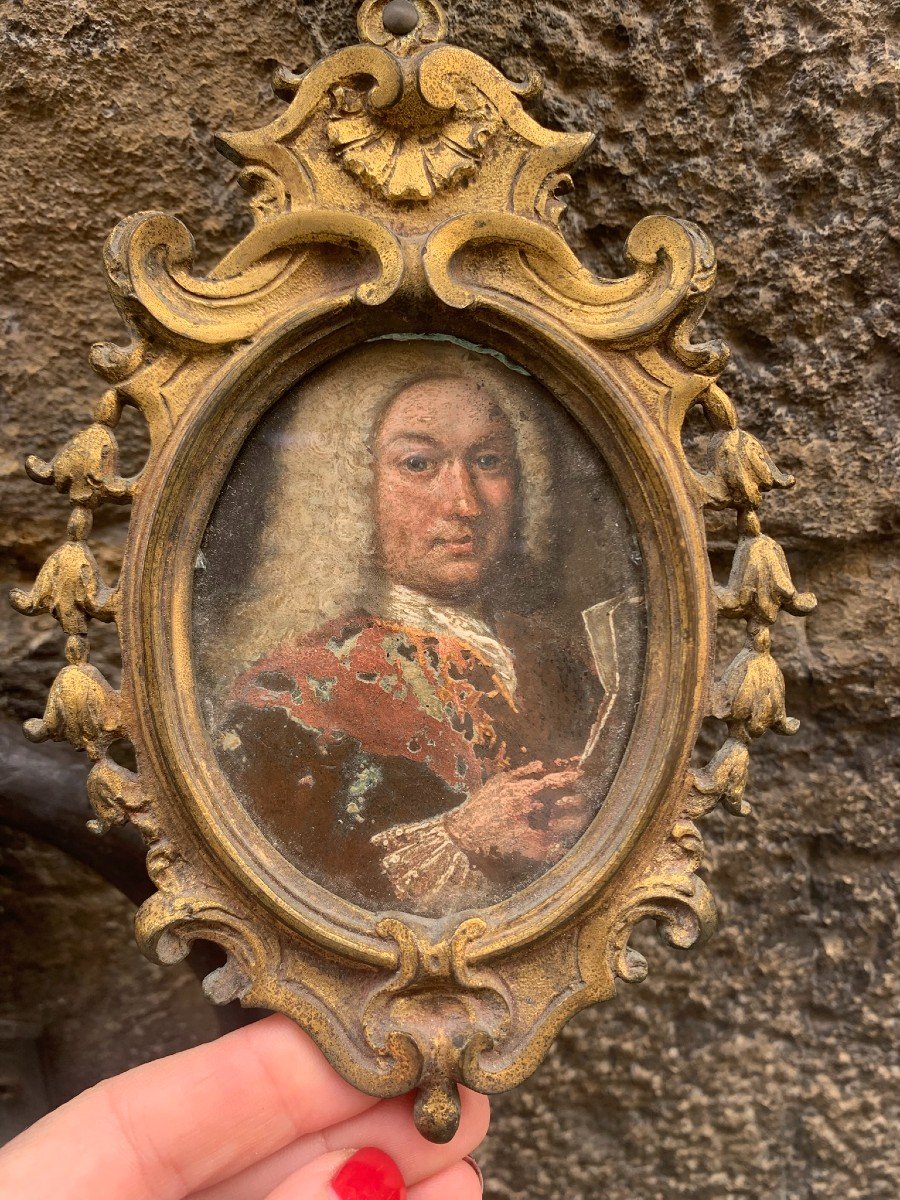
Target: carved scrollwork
point(441, 1011)
point(186, 908)
point(409, 120)
point(672, 895)
point(149, 259)
point(406, 176)
point(674, 268)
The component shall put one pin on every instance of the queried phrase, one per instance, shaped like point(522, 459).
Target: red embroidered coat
point(366, 724)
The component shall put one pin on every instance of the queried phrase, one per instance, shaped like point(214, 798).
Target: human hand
point(530, 813)
point(257, 1115)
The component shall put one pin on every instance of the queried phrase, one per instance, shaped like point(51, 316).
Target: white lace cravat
point(407, 607)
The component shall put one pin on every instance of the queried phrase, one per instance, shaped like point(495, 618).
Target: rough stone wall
point(761, 1064)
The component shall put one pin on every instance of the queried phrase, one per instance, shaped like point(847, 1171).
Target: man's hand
point(257, 1115)
point(529, 814)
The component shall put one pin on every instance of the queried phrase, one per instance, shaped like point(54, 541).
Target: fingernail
point(369, 1175)
point(475, 1167)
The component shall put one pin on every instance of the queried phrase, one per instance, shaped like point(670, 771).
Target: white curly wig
point(315, 553)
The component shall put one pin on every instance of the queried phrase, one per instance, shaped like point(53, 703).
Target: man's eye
point(417, 463)
point(488, 462)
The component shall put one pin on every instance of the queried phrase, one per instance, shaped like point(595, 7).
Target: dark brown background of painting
point(759, 1065)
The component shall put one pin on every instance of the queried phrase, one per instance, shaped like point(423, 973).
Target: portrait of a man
point(407, 712)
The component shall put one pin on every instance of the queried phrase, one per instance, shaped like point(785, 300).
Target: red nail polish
point(369, 1175)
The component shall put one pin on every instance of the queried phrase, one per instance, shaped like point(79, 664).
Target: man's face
point(445, 488)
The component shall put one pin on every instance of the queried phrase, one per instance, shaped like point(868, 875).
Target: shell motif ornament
point(403, 156)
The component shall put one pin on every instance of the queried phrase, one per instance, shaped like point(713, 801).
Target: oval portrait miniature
point(419, 628)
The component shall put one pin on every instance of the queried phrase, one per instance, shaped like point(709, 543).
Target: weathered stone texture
point(761, 1064)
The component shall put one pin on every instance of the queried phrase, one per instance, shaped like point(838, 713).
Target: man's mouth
point(461, 544)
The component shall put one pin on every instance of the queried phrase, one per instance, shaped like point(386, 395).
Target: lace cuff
point(422, 862)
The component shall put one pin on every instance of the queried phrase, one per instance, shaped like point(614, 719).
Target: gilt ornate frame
point(406, 189)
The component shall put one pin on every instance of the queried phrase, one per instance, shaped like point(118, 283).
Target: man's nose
point(460, 492)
